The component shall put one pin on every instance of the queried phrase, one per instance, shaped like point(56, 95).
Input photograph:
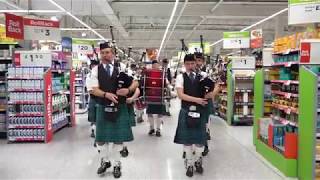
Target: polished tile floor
point(71, 155)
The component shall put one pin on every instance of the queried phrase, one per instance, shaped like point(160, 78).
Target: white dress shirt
point(92, 81)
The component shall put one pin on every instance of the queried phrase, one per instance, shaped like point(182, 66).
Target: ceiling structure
point(142, 23)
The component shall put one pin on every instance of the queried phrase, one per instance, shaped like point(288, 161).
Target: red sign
point(14, 26)
point(41, 23)
point(48, 104)
point(72, 98)
point(256, 40)
point(305, 52)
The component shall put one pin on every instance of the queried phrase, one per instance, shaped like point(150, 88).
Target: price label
point(236, 40)
point(243, 62)
point(35, 58)
point(37, 29)
point(287, 83)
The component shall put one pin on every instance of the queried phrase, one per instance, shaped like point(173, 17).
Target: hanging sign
point(81, 48)
point(236, 40)
point(38, 29)
point(304, 11)
point(243, 62)
point(309, 51)
point(256, 40)
point(66, 44)
point(14, 26)
point(196, 47)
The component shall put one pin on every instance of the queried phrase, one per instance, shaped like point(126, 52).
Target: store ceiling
point(142, 23)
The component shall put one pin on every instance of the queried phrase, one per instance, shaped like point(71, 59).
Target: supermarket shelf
point(6, 58)
point(286, 109)
point(57, 127)
point(26, 115)
point(284, 121)
point(285, 82)
point(3, 82)
point(287, 52)
point(243, 90)
point(244, 116)
point(24, 78)
point(60, 108)
point(244, 103)
point(26, 90)
point(12, 126)
point(244, 78)
point(285, 64)
point(20, 139)
point(26, 102)
point(285, 94)
point(61, 92)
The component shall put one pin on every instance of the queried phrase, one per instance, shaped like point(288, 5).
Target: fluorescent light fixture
point(77, 19)
point(255, 24)
point(29, 11)
point(80, 29)
point(83, 34)
point(54, 18)
point(169, 23)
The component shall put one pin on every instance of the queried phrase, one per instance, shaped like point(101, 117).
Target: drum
point(153, 86)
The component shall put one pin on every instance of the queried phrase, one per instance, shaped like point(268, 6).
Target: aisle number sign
point(193, 47)
point(236, 40)
point(243, 62)
point(304, 11)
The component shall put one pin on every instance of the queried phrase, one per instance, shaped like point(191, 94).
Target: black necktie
point(191, 76)
point(108, 70)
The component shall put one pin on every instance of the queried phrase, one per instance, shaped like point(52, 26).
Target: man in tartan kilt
point(113, 126)
point(191, 130)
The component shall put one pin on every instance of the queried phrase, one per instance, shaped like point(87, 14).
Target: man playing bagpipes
point(113, 126)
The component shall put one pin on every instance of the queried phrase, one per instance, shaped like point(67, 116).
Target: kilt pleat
point(131, 115)
point(92, 110)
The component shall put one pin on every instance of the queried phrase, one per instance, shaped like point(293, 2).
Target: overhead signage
point(38, 29)
point(304, 11)
point(236, 40)
point(14, 26)
point(18, 27)
point(309, 51)
point(243, 62)
point(196, 47)
point(256, 40)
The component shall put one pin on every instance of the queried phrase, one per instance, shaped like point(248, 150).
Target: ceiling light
point(54, 18)
point(83, 34)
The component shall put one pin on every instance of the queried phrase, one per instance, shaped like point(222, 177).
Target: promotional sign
point(4, 39)
point(66, 44)
point(81, 48)
point(14, 26)
point(243, 62)
point(151, 54)
point(48, 102)
point(304, 11)
point(236, 40)
point(33, 58)
point(38, 29)
point(309, 51)
point(196, 47)
point(256, 40)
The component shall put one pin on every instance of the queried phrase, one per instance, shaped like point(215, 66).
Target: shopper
point(202, 69)
point(92, 102)
point(113, 123)
point(155, 111)
point(191, 130)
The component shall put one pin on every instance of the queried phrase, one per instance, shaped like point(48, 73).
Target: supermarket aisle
point(71, 155)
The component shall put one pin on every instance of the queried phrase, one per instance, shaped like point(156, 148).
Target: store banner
point(38, 29)
point(304, 11)
point(81, 48)
point(196, 47)
point(309, 52)
point(14, 26)
point(243, 62)
point(236, 40)
point(4, 39)
point(256, 40)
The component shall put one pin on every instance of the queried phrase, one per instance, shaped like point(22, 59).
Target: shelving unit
point(223, 99)
point(6, 56)
point(81, 93)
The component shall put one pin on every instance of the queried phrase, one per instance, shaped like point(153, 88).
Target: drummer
point(113, 125)
point(155, 111)
point(202, 69)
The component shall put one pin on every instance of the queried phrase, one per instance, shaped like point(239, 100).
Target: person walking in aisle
point(113, 125)
point(92, 102)
point(191, 130)
point(155, 111)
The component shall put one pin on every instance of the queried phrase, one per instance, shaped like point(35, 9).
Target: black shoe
point(198, 165)
point(117, 172)
point(151, 132)
point(92, 134)
point(205, 151)
point(124, 152)
point(189, 172)
point(95, 144)
point(158, 134)
point(103, 167)
point(184, 155)
point(208, 135)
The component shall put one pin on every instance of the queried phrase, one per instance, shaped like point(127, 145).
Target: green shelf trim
point(229, 95)
point(307, 122)
point(287, 166)
point(258, 102)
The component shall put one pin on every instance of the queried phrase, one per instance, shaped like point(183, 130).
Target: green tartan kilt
point(92, 110)
point(131, 115)
point(185, 135)
point(156, 109)
point(114, 132)
point(209, 109)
